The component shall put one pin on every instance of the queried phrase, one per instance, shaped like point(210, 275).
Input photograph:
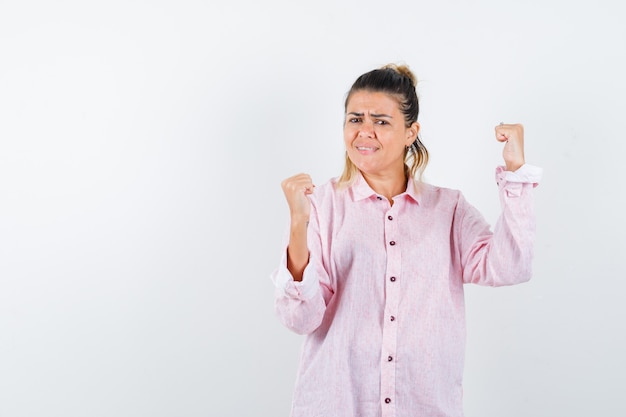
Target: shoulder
point(443, 203)
point(436, 196)
point(327, 191)
point(328, 197)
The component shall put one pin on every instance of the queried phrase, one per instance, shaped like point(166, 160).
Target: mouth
point(366, 148)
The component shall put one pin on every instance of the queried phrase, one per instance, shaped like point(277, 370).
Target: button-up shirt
point(381, 299)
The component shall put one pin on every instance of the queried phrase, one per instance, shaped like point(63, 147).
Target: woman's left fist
point(513, 152)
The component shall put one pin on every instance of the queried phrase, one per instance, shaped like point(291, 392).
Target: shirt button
point(390, 358)
point(379, 197)
point(387, 400)
point(392, 318)
point(390, 217)
point(392, 243)
point(392, 279)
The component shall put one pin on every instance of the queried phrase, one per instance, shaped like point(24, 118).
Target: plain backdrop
point(142, 145)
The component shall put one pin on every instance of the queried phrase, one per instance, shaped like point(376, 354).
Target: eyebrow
point(377, 116)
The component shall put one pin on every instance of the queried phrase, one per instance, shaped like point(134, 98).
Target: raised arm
point(296, 189)
point(503, 257)
point(303, 287)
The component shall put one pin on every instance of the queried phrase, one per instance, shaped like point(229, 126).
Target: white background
point(142, 145)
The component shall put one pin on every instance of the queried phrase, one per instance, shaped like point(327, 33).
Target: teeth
point(363, 148)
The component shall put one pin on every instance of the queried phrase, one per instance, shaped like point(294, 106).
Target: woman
point(376, 260)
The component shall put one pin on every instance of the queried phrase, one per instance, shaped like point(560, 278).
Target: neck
point(388, 186)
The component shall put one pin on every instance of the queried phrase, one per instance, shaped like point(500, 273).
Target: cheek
point(348, 136)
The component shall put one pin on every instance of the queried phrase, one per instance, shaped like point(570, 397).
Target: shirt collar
point(361, 189)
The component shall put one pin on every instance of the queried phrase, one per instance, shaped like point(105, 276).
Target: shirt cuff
point(305, 289)
point(524, 174)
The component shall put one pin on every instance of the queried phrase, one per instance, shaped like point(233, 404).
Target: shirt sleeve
point(284, 282)
point(525, 174)
point(300, 306)
point(505, 256)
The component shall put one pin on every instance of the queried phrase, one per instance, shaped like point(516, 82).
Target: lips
point(363, 149)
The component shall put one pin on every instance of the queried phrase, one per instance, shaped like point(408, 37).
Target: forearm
point(513, 241)
point(301, 316)
point(297, 189)
point(297, 250)
point(504, 258)
point(300, 305)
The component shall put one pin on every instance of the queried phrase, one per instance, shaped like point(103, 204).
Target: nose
point(366, 129)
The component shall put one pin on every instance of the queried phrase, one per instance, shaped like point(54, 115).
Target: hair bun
point(403, 70)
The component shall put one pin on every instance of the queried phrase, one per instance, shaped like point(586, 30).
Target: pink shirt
point(381, 300)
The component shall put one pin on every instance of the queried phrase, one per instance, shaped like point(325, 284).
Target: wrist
point(513, 166)
point(299, 220)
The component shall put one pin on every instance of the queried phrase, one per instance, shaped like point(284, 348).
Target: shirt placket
point(390, 321)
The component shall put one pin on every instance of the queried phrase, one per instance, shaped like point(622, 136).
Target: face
point(375, 133)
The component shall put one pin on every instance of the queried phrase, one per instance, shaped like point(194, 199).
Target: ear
point(411, 133)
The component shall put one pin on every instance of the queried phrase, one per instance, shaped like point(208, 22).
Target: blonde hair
point(399, 82)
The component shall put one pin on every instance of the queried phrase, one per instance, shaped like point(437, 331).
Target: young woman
point(374, 269)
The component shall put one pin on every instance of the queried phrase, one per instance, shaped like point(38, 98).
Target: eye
point(382, 122)
point(354, 120)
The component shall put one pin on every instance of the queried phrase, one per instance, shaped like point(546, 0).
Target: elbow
point(524, 275)
point(521, 270)
point(519, 278)
point(513, 268)
point(513, 275)
point(302, 329)
point(299, 317)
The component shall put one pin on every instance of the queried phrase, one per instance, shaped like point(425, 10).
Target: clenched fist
point(513, 152)
point(296, 190)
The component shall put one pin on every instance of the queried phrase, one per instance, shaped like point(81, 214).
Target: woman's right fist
point(296, 189)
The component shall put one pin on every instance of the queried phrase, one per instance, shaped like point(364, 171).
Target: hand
point(513, 152)
point(296, 189)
